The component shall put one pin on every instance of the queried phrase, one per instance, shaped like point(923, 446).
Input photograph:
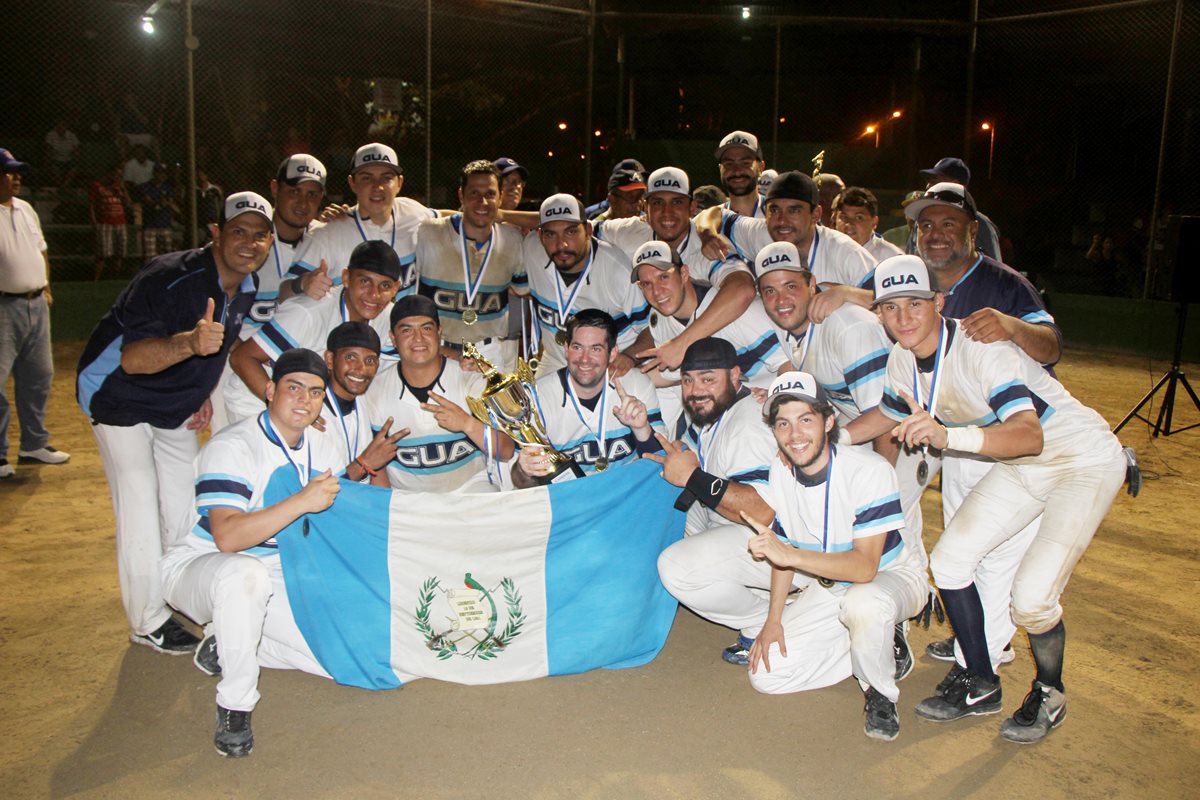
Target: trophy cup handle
point(478, 409)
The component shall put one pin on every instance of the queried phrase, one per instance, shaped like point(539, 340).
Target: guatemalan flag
point(390, 586)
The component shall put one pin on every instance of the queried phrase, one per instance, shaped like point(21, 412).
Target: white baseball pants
point(152, 485)
point(244, 599)
point(830, 634)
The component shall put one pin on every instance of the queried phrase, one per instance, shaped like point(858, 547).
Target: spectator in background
point(139, 170)
point(706, 197)
point(857, 213)
point(899, 234)
point(1113, 276)
point(295, 143)
point(107, 200)
point(512, 183)
point(829, 186)
point(600, 210)
point(133, 125)
point(159, 207)
point(62, 150)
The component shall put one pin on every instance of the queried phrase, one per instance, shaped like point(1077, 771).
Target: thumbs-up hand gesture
point(207, 336)
point(316, 284)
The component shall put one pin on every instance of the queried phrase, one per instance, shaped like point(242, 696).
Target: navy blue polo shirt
point(168, 296)
point(991, 284)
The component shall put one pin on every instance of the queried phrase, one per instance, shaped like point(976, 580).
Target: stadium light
point(745, 12)
point(148, 26)
point(991, 132)
point(562, 126)
point(896, 114)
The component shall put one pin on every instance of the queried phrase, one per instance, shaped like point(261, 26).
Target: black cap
point(299, 360)
point(948, 169)
point(709, 353)
point(708, 196)
point(629, 165)
point(794, 185)
point(376, 255)
point(415, 305)
point(353, 334)
point(626, 180)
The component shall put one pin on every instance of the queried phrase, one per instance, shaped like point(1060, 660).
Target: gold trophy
point(507, 402)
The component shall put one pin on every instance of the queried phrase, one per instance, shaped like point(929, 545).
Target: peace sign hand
point(448, 414)
point(678, 463)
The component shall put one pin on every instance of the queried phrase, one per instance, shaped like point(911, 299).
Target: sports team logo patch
point(474, 631)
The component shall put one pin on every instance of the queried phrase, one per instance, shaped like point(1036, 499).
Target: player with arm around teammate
point(1054, 457)
point(837, 538)
point(226, 572)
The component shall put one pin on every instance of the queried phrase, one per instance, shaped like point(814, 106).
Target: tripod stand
point(1171, 380)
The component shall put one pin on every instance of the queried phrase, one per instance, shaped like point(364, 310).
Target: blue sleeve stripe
point(751, 359)
point(760, 474)
point(892, 406)
point(868, 281)
point(1038, 317)
point(866, 370)
point(273, 340)
point(213, 485)
point(882, 509)
point(1009, 398)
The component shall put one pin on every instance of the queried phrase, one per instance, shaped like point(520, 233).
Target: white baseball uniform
point(1070, 483)
point(603, 284)
point(347, 428)
point(832, 257)
point(335, 240)
point(574, 426)
point(630, 233)
point(242, 594)
point(430, 458)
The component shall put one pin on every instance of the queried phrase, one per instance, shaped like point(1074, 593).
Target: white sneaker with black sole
point(43, 455)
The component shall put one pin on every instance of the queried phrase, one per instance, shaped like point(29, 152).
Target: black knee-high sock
point(965, 611)
point(1048, 654)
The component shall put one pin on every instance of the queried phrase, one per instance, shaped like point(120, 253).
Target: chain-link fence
point(1073, 92)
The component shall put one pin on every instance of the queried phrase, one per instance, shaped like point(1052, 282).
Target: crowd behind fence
point(1074, 95)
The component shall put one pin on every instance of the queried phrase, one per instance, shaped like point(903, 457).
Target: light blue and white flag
point(483, 588)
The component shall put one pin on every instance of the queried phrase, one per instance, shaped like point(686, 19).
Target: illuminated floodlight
point(148, 25)
point(745, 12)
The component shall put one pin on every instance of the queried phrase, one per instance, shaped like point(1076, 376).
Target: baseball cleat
point(966, 695)
point(738, 652)
point(882, 720)
point(6, 470)
point(902, 652)
point(205, 658)
point(170, 638)
point(1043, 710)
point(233, 738)
point(943, 650)
point(44, 455)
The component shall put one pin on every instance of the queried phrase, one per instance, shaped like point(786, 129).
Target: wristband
point(845, 437)
point(297, 285)
point(368, 470)
point(708, 489)
point(965, 440)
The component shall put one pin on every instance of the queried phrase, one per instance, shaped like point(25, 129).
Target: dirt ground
point(84, 714)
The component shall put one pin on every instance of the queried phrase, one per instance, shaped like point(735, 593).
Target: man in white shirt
point(24, 321)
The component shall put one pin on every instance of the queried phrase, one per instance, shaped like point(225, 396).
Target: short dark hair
point(478, 167)
point(593, 318)
point(825, 409)
point(860, 198)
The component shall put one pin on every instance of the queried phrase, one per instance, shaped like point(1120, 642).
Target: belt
point(25, 295)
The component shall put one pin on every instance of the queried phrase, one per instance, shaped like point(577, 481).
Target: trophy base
point(567, 471)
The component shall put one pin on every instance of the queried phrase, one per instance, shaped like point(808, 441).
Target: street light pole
point(191, 43)
point(991, 129)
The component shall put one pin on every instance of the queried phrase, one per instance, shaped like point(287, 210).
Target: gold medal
point(561, 338)
point(469, 316)
point(922, 472)
point(601, 464)
point(653, 319)
point(826, 582)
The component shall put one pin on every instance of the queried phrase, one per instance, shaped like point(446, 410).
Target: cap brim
point(779, 397)
point(922, 295)
point(913, 210)
point(781, 268)
point(510, 170)
point(629, 187)
point(929, 174)
point(661, 266)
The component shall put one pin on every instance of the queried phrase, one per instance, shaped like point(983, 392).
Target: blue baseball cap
point(10, 164)
point(507, 165)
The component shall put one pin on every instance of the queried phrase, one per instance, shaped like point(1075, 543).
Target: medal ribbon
point(934, 382)
point(472, 289)
point(304, 452)
point(807, 341)
point(812, 251)
point(798, 488)
point(565, 311)
point(363, 233)
point(601, 407)
point(336, 407)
